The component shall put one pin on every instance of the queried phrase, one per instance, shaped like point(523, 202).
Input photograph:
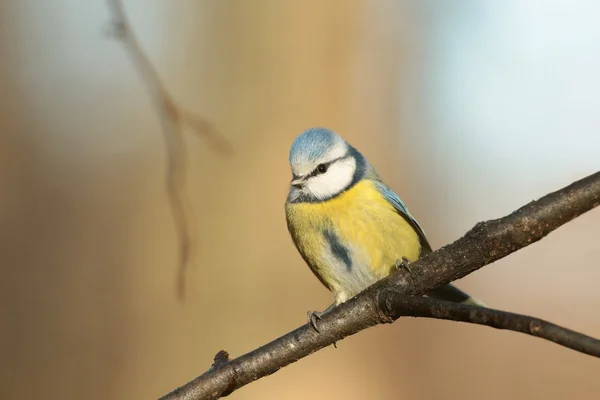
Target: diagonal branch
point(387, 300)
point(172, 118)
point(395, 305)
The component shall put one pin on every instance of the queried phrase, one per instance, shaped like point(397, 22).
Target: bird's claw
point(403, 263)
point(313, 317)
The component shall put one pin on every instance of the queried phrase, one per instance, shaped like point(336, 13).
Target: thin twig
point(172, 118)
point(398, 305)
point(482, 245)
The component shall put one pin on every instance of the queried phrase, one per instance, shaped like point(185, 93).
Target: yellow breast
point(365, 223)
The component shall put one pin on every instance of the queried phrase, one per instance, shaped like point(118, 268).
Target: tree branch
point(172, 118)
point(395, 305)
point(388, 299)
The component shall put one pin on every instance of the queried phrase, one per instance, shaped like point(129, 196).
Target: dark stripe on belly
point(338, 249)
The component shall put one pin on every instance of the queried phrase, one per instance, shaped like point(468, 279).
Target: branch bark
point(399, 295)
point(395, 305)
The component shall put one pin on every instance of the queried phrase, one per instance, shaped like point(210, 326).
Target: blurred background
point(469, 109)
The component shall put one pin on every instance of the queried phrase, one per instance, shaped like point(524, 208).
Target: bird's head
point(323, 165)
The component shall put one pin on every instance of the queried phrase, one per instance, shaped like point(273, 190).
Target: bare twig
point(387, 300)
point(396, 305)
point(172, 118)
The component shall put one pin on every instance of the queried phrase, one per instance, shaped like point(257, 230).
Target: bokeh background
point(469, 109)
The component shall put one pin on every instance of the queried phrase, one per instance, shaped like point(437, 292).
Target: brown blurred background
point(469, 109)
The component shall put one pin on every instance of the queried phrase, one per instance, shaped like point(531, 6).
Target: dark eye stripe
point(316, 172)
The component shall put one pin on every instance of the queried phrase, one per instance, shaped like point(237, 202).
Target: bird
point(347, 224)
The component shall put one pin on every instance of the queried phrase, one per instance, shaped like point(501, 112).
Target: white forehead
point(315, 146)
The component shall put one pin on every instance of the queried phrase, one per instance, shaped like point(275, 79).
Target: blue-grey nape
point(312, 144)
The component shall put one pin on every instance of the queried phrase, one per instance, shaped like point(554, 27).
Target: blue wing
point(447, 292)
point(400, 207)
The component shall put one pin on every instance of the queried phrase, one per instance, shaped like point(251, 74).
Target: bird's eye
point(321, 168)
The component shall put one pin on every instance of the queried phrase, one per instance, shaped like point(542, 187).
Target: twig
point(386, 300)
point(396, 305)
point(172, 118)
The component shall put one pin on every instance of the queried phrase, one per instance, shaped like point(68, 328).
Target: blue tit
point(349, 227)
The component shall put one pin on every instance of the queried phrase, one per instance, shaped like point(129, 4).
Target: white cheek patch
point(337, 178)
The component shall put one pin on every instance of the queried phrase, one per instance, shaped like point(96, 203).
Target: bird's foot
point(313, 317)
point(403, 263)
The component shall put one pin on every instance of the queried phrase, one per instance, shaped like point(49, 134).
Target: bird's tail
point(450, 292)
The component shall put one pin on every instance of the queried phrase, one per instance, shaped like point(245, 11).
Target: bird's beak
point(298, 181)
